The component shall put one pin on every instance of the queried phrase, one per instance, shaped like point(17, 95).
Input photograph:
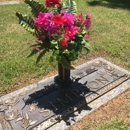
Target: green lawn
point(114, 125)
point(110, 32)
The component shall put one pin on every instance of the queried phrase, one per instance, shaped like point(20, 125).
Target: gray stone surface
point(9, 2)
point(94, 105)
point(1, 127)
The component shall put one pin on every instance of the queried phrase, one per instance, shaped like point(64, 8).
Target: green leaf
point(26, 22)
point(36, 7)
point(55, 52)
point(40, 56)
point(33, 52)
point(62, 60)
point(54, 44)
point(86, 45)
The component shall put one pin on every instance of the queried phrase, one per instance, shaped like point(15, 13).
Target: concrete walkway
point(9, 2)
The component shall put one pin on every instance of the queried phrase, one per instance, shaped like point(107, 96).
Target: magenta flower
point(44, 20)
point(86, 36)
point(63, 12)
point(88, 16)
point(54, 32)
point(87, 23)
point(68, 19)
point(71, 31)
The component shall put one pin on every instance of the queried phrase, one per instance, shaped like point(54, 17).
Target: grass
point(114, 125)
point(109, 33)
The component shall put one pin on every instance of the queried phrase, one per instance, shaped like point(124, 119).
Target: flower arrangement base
point(63, 73)
point(63, 78)
point(42, 105)
point(64, 86)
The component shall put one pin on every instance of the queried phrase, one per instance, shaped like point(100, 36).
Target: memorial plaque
point(47, 103)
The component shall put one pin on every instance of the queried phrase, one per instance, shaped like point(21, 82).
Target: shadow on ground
point(124, 4)
point(59, 103)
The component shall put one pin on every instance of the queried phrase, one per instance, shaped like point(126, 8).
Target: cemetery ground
point(109, 37)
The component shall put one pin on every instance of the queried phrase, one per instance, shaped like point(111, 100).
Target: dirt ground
point(116, 109)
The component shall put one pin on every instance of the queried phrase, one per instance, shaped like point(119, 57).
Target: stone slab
point(111, 77)
point(9, 2)
point(62, 125)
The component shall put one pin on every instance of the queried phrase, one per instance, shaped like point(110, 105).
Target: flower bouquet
point(58, 29)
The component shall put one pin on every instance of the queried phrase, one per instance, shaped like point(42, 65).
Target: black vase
point(63, 73)
point(64, 79)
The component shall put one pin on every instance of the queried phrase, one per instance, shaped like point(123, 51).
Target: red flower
point(52, 3)
point(63, 44)
point(58, 20)
point(66, 38)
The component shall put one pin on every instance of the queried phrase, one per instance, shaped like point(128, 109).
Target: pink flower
point(79, 20)
point(86, 36)
point(88, 16)
point(63, 44)
point(63, 12)
point(52, 3)
point(71, 31)
point(54, 32)
point(87, 23)
point(68, 19)
point(44, 20)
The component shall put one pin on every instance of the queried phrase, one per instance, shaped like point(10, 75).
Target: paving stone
point(9, 2)
point(1, 127)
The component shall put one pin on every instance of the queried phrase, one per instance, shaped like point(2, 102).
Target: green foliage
point(26, 21)
point(86, 45)
point(41, 55)
point(36, 7)
point(114, 125)
point(61, 59)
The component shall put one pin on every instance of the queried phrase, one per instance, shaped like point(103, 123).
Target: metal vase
point(63, 73)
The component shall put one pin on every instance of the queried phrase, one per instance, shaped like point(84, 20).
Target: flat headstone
point(44, 105)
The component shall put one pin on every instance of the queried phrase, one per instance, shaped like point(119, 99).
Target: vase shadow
point(59, 102)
